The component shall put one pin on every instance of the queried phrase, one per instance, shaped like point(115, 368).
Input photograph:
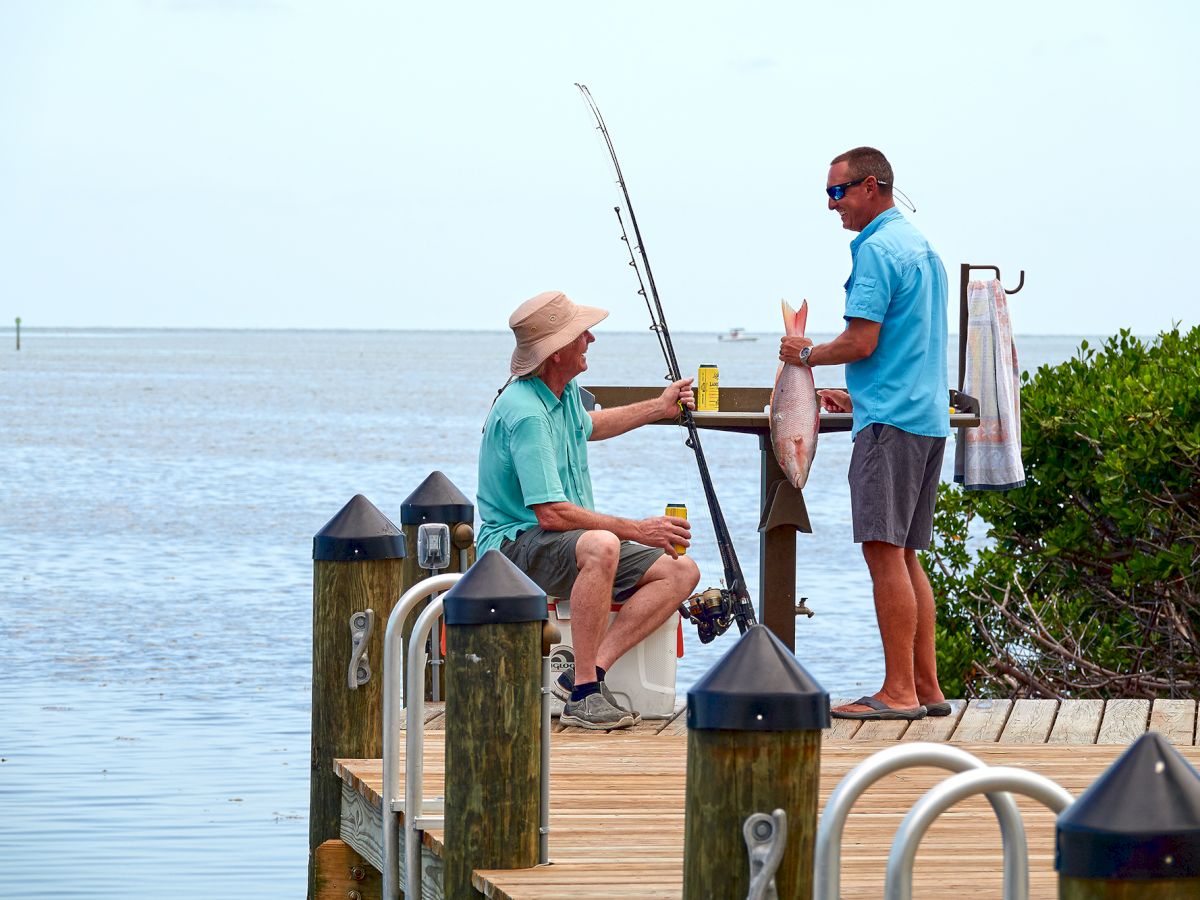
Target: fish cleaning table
point(782, 512)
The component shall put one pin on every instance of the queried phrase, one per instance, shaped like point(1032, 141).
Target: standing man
point(894, 350)
point(535, 503)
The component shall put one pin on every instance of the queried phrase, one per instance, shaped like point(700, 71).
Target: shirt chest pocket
point(573, 464)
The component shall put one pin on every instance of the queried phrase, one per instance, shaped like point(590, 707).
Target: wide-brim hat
point(546, 323)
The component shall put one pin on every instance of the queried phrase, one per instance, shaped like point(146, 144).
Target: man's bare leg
point(925, 651)
point(896, 613)
point(666, 584)
point(597, 554)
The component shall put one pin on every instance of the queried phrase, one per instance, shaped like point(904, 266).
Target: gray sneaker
point(562, 686)
point(596, 713)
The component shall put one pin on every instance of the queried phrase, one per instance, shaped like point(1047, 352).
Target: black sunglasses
point(838, 191)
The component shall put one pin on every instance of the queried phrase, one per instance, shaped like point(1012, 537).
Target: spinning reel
point(711, 611)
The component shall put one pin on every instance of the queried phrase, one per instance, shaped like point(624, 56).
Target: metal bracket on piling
point(361, 625)
point(766, 839)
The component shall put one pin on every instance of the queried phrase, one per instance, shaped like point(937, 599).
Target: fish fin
point(789, 317)
point(794, 321)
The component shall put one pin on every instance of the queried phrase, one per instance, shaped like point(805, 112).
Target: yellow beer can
point(679, 511)
point(707, 389)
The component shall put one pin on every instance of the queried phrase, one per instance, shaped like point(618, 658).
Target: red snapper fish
point(794, 412)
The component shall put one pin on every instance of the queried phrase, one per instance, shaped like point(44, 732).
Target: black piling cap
point(359, 531)
point(494, 590)
point(436, 499)
point(758, 686)
point(1140, 821)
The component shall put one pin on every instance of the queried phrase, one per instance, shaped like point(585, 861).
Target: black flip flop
point(879, 710)
point(939, 709)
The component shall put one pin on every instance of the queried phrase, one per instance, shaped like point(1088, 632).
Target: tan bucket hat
point(546, 323)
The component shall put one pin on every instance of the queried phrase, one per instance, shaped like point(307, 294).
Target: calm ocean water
point(159, 495)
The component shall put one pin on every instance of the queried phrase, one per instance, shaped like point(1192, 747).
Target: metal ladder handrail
point(828, 852)
point(393, 700)
point(414, 754)
point(898, 883)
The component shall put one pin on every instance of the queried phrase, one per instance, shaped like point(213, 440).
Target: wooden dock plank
point(616, 825)
point(1078, 722)
point(1029, 722)
point(936, 728)
point(1124, 721)
point(881, 730)
point(841, 729)
point(982, 721)
point(1175, 720)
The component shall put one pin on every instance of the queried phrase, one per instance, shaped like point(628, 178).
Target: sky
point(400, 165)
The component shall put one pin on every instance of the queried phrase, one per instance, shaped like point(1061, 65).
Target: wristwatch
point(805, 353)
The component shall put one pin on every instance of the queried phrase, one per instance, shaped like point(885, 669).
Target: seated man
point(535, 503)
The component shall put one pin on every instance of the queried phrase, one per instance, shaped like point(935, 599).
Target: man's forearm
point(608, 423)
point(842, 349)
point(563, 516)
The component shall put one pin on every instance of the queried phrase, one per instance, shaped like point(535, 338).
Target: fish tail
point(789, 317)
point(795, 321)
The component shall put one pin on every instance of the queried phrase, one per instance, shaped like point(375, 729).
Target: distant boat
point(736, 334)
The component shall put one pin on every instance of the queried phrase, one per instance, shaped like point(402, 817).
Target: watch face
point(804, 354)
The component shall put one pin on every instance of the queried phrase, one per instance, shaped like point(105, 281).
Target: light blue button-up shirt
point(534, 450)
point(898, 280)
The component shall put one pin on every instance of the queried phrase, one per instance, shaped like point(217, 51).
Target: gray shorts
point(893, 485)
point(548, 557)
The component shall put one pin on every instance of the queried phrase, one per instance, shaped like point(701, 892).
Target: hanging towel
point(988, 458)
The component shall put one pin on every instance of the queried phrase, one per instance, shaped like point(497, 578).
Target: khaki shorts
point(893, 479)
point(548, 558)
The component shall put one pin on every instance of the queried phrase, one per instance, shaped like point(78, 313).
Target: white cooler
point(642, 679)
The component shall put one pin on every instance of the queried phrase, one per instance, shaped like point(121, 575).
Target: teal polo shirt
point(898, 280)
point(534, 450)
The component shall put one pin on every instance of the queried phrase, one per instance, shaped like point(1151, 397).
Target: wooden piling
point(18, 332)
point(357, 560)
point(1135, 833)
point(436, 499)
point(494, 617)
point(754, 746)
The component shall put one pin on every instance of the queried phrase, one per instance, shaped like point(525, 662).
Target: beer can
point(679, 511)
point(707, 391)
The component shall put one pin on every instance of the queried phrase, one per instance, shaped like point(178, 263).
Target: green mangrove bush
point(1084, 583)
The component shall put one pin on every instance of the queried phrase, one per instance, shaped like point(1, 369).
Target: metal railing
point(393, 703)
point(828, 859)
point(413, 804)
point(898, 883)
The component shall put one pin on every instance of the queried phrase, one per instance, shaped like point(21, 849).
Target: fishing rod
point(713, 610)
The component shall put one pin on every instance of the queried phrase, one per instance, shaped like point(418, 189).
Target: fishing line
point(715, 609)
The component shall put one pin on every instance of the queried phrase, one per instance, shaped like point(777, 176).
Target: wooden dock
point(617, 800)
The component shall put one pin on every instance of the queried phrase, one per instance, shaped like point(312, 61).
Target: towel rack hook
point(964, 280)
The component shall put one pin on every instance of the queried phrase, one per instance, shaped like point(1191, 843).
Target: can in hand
point(707, 389)
point(679, 511)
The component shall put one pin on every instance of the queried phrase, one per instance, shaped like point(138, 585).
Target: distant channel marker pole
point(18, 332)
